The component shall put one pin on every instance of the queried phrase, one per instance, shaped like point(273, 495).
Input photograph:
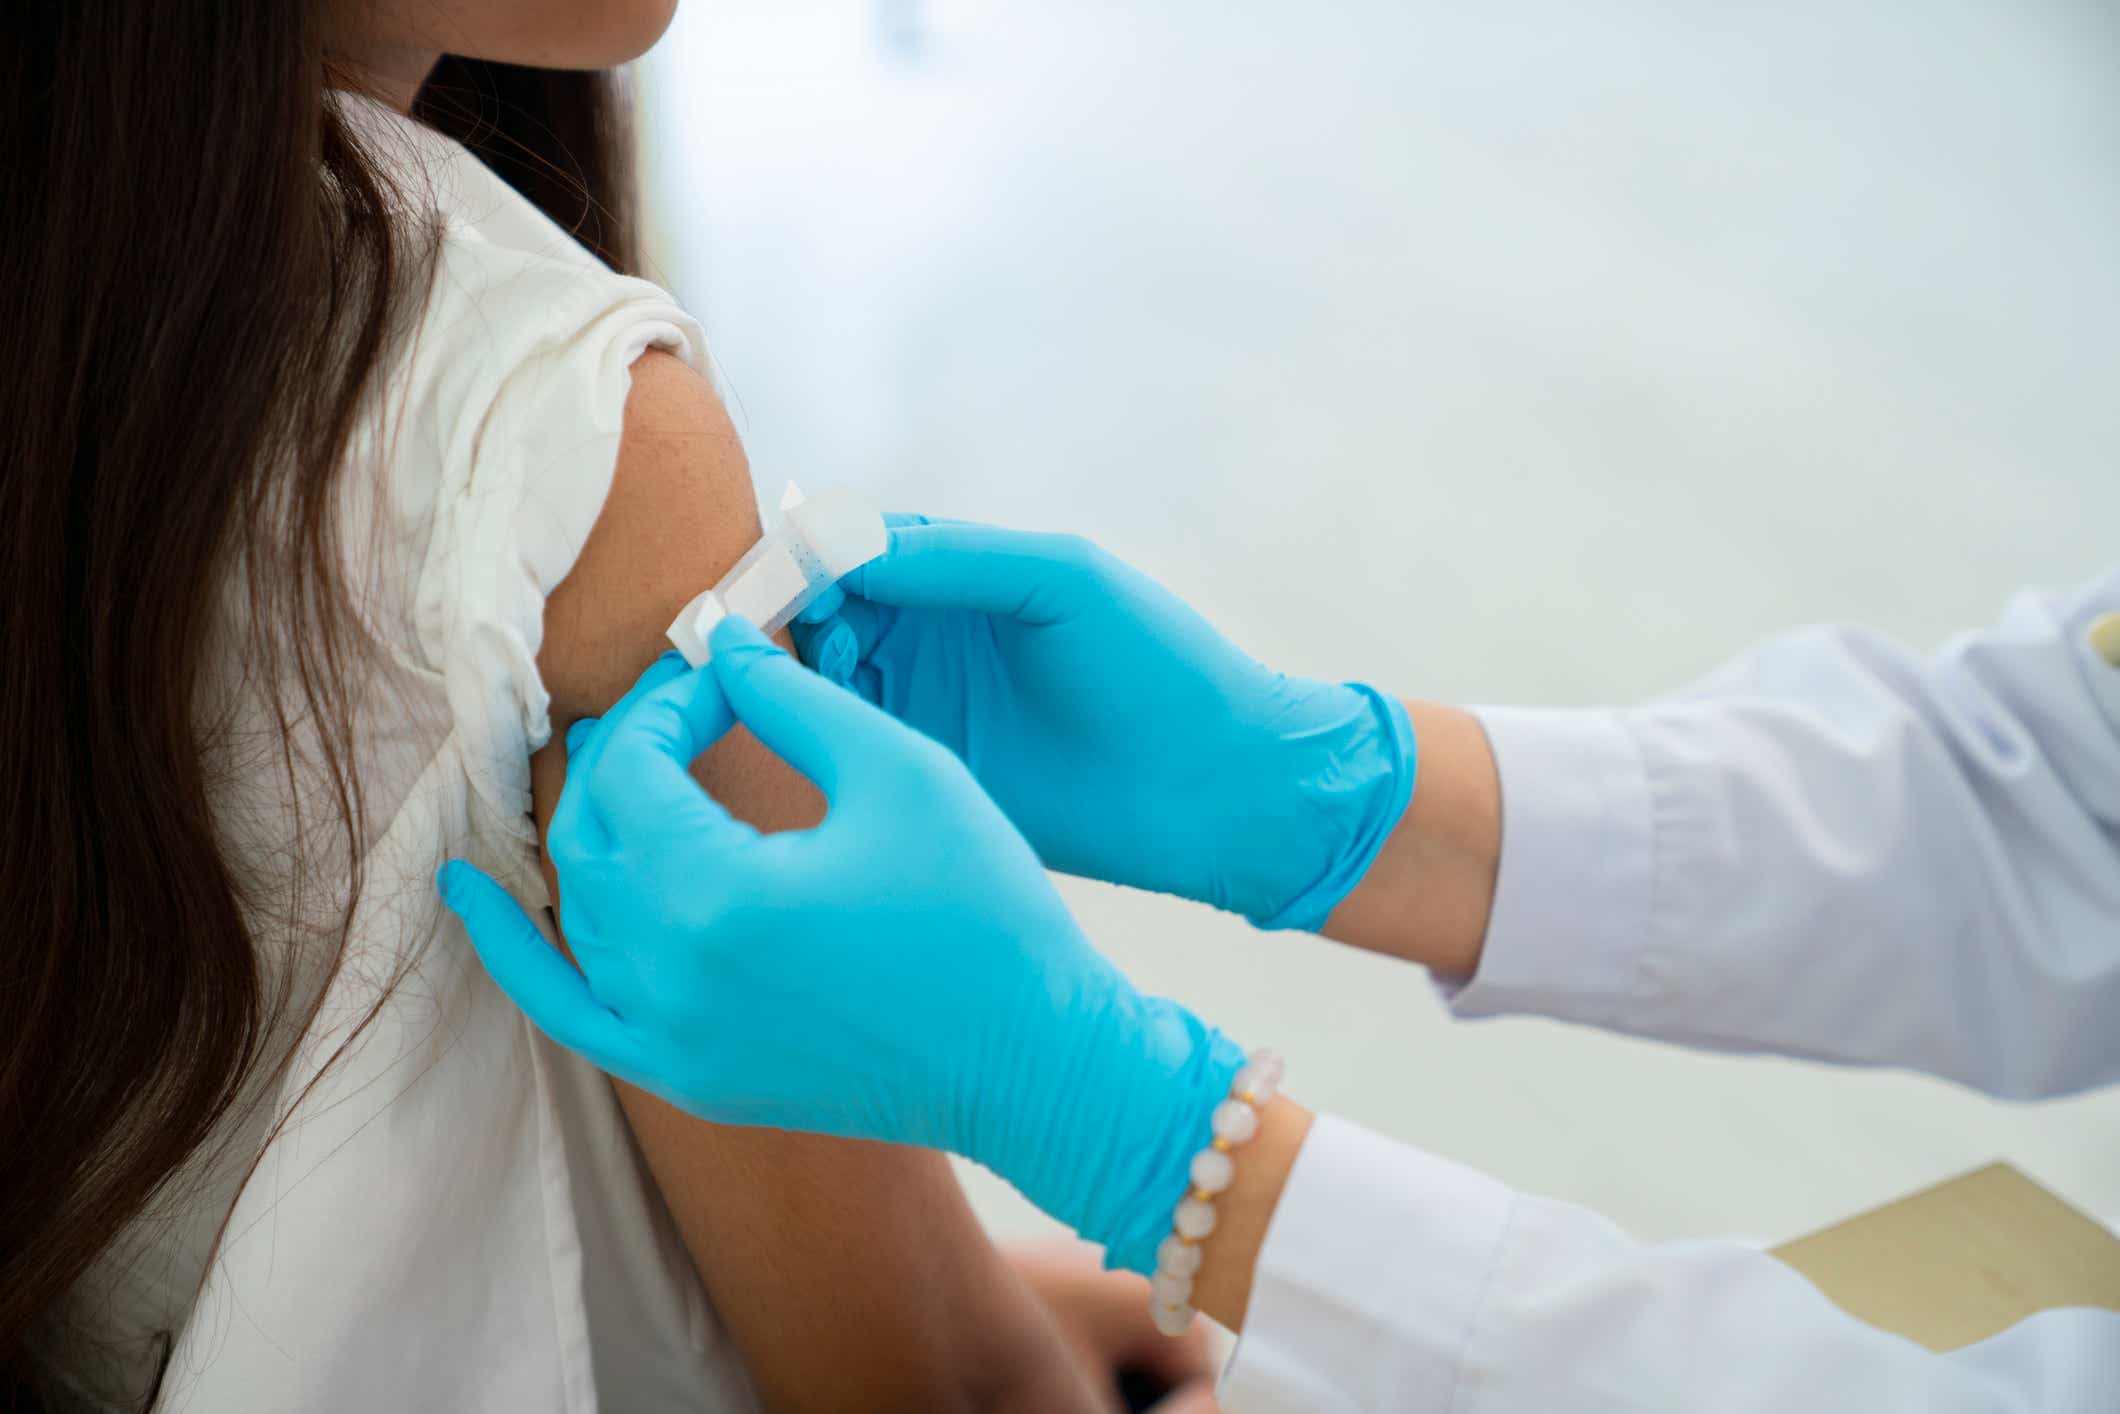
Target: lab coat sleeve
point(1394, 1280)
point(1834, 848)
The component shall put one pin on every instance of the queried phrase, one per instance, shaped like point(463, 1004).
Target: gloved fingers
point(867, 622)
point(820, 730)
point(827, 647)
point(574, 825)
point(641, 785)
point(833, 651)
point(867, 684)
point(826, 605)
point(839, 647)
point(1017, 574)
point(574, 831)
point(664, 669)
point(838, 652)
point(550, 990)
point(823, 607)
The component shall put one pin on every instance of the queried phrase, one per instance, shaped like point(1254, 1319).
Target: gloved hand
point(902, 972)
point(1124, 736)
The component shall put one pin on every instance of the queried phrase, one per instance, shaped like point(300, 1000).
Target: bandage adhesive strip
point(819, 539)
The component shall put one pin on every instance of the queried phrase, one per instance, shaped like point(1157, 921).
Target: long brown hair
point(198, 277)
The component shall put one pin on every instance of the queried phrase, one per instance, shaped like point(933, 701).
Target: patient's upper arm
point(679, 513)
point(780, 1226)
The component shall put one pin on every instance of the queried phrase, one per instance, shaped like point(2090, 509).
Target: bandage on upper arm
point(819, 539)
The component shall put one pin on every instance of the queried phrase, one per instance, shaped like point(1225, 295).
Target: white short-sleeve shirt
point(453, 1216)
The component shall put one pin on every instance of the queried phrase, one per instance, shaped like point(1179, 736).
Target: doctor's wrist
point(1345, 781)
point(1428, 893)
point(1229, 1256)
point(1102, 1135)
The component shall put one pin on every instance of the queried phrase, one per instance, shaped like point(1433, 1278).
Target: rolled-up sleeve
point(1836, 848)
point(1391, 1279)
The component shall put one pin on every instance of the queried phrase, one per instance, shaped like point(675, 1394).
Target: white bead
point(1194, 1218)
point(1256, 1081)
point(1170, 1289)
point(1235, 1121)
point(1212, 1170)
point(1178, 1256)
point(1172, 1320)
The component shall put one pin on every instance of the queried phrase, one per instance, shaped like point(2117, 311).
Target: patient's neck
point(390, 74)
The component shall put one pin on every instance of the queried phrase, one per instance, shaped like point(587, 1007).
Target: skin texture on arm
point(852, 1275)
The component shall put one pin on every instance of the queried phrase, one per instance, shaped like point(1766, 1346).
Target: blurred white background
point(1538, 352)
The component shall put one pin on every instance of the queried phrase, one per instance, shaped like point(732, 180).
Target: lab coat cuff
point(1573, 893)
point(1371, 1280)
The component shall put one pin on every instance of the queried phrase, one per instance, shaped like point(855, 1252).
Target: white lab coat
point(1830, 848)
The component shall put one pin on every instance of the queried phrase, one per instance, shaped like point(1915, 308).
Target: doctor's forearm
point(1428, 895)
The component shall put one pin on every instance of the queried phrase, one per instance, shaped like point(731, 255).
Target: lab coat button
point(2105, 637)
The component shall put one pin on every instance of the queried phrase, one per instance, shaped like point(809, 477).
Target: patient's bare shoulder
point(679, 512)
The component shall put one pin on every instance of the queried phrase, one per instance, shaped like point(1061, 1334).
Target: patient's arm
point(852, 1275)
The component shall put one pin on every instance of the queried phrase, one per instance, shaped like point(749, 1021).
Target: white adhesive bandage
point(819, 538)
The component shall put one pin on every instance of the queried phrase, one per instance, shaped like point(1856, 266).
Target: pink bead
point(1212, 1170)
point(1235, 1121)
point(1178, 1257)
point(1194, 1218)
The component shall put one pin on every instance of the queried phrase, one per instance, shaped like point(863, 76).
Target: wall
point(1538, 352)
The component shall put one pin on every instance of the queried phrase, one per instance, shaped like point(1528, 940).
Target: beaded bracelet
point(1235, 1121)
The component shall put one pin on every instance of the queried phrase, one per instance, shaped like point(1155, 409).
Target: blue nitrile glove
point(902, 972)
point(1124, 736)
